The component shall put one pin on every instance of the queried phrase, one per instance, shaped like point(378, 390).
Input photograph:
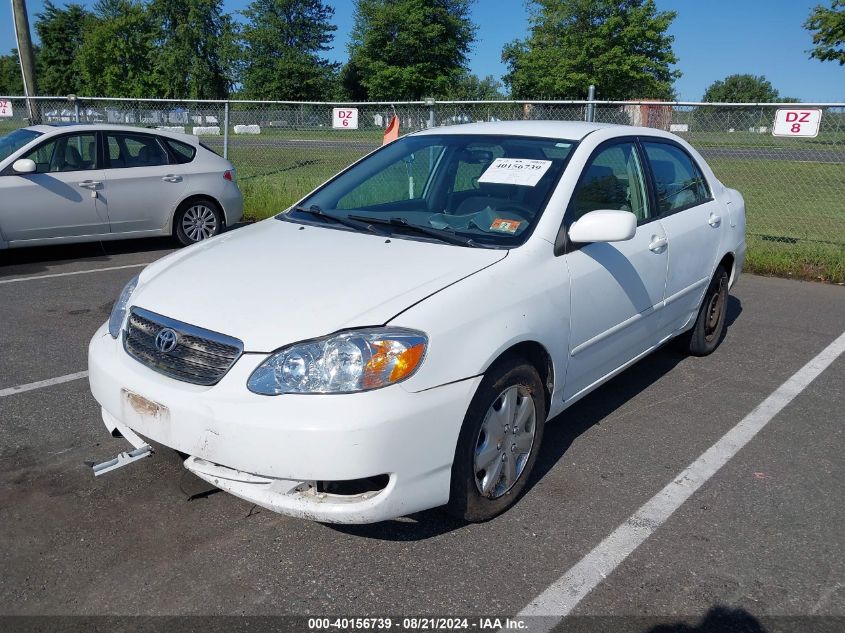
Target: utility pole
point(25, 56)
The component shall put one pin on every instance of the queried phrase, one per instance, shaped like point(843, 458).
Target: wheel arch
point(538, 356)
point(195, 197)
point(728, 262)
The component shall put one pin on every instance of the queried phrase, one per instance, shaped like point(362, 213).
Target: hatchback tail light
point(229, 175)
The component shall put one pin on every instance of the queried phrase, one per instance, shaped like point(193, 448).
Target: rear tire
point(197, 220)
point(499, 441)
point(709, 328)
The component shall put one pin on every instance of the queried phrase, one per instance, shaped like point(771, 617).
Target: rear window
point(125, 149)
point(182, 152)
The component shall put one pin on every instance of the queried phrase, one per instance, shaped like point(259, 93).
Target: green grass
point(795, 211)
point(825, 141)
point(271, 179)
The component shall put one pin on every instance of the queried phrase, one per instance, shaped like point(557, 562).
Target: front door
point(61, 199)
point(616, 288)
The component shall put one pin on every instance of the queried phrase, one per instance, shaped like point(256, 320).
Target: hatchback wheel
point(196, 221)
point(499, 441)
point(709, 328)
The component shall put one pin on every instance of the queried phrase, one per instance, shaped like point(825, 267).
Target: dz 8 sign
point(804, 122)
point(345, 118)
point(5, 108)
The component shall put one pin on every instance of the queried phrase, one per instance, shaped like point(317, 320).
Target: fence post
point(226, 130)
point(430, 103)
point(590, 114)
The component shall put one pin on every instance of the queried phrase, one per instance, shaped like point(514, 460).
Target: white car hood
point(280, 282)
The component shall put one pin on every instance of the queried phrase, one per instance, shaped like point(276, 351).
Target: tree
point(408, 49)
point(828, 28)
point(61, 32)
point(741, 89)
point(620, 46)
point(117, 51)
point(470, 87)
point(196, 49)
point(10, 74)
point(282, 45)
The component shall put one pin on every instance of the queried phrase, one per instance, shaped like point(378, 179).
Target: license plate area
point(141, 409)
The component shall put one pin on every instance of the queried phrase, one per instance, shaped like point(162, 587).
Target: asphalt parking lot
point(759, 543)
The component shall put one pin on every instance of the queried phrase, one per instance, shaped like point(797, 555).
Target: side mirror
point(24, 166)
point(604, 225)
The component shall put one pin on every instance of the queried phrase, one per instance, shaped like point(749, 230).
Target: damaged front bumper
point(293, 454)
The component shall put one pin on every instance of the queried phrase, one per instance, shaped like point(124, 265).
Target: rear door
point(61, 199)
point(616, 288)
point(142, 186)
point(692, 220)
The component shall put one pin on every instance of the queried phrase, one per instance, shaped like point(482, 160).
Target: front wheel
point(709, 328)
point(197, 220)
point(499, 441)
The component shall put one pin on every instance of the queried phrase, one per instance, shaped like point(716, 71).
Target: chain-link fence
point(794, 187)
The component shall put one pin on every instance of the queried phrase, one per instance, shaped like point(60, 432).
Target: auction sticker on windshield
point(515, 171)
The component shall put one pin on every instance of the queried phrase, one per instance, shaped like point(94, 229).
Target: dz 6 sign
point(345, 118)
point(803, 122)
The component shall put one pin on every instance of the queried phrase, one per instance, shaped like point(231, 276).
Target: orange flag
point(392, 131)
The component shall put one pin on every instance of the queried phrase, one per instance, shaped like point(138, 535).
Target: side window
point(182, 152)
point(404, 180)
point(134, 150)
point(678, 181)
point(75, 152)
point(613, 179)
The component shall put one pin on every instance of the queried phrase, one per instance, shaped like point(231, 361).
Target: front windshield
point(490, 189)
point(14, 141)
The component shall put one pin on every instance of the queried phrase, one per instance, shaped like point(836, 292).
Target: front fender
point(523, 298)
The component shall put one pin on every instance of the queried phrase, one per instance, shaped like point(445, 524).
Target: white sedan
point(67, 183)
point(398, 339)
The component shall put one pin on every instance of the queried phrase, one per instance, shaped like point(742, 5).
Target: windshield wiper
point(439, 234)
point(338, 219)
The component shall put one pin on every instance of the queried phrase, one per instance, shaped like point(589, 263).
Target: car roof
point(46, 128)
point(571, 130)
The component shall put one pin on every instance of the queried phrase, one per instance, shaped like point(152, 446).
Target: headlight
point(118, 312)
point(356, 360)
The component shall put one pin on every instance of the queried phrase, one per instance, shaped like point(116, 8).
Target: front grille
point(200, 356)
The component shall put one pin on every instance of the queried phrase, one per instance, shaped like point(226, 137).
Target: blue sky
point(713, 38)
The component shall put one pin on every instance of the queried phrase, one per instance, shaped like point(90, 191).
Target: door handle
point(172, 178)
point(657, 244)
point(714, 220)
point(90, 184)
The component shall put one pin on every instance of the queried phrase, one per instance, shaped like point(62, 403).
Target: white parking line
point(565, 593)
point(75, 272)
point(10, 391)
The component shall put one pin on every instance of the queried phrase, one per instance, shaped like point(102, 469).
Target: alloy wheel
point(199, 222)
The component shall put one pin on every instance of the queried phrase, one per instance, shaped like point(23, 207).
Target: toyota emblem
point(166, 340)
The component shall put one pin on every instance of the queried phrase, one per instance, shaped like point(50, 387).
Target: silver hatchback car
point(84, 182)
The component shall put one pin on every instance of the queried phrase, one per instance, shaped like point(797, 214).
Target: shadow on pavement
point(718, 619)
point(36, 259)
point(559, 435)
